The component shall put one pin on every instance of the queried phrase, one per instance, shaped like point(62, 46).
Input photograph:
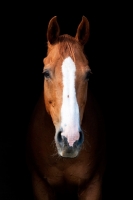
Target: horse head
point(66, 74)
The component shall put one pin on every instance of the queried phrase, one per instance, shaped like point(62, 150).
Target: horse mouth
point(67, 151)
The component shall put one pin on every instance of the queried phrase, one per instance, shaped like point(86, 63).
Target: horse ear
point(83, 31)
point(53, 30)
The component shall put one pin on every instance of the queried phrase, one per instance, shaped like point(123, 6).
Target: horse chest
point(67, 174)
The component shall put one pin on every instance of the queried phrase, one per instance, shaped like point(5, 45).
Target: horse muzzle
point(67, 150)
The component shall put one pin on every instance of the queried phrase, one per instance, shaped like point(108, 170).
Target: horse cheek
point(82, 101)
point(47, 98)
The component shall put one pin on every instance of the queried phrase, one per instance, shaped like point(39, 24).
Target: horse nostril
point(81, 138)
point(62, 140)
point(59, 137)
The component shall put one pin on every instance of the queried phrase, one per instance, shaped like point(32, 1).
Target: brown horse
point(66, 137)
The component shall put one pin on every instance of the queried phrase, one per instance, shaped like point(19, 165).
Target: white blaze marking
point(69, 109)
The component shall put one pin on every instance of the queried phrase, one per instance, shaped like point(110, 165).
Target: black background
point(24, 47)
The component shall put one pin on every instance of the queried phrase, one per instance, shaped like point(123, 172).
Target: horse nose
point(63, 141)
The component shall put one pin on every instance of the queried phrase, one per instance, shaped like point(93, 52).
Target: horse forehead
point(52, 55)
point(59, 52)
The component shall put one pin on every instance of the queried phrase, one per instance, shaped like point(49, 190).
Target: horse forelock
point(68, 46)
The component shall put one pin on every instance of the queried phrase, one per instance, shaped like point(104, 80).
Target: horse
point(66, 135)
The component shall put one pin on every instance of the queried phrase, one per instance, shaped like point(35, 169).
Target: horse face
point(66, 73)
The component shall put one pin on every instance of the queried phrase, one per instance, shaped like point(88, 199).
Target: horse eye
point(88, 74)
point(46, 74)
